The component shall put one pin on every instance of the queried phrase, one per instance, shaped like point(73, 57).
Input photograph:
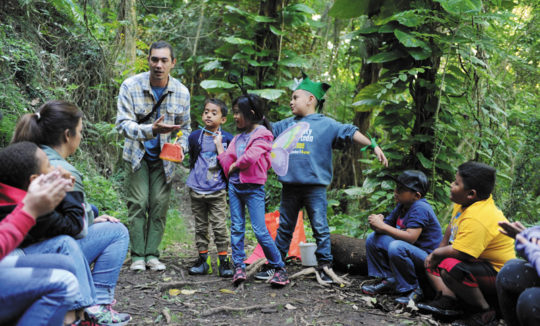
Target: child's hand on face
point(45, 193)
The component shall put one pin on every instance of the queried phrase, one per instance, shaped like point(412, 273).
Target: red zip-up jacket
point(15, 226)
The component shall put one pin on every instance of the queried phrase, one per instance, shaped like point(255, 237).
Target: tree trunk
point(349, 254)
point(266, 40)
point(130, 35)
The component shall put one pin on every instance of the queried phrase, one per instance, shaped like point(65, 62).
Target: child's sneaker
point(415, 295)
point(442, 305)
point(239, 275)
point(380, 288)
point(280, 278)
point(224, 266)
point(105, 315)
point(202, 266)
point(266, 273)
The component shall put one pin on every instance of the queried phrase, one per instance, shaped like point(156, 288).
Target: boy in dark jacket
point(208, 192)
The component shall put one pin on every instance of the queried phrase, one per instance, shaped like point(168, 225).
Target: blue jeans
point(37, 289)
point(293, 198)
point(252, 196)
point(106, 246)
point(394, 260)
point(66, 245)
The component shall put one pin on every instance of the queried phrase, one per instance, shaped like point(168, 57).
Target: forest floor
point(173, 297)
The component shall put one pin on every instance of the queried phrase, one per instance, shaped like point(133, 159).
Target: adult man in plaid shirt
point(147, 127)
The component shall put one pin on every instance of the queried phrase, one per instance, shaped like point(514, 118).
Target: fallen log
point(349, 254)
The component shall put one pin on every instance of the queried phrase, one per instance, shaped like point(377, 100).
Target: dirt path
point(152, 299)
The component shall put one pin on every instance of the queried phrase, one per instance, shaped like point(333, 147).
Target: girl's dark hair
point(252, 108)
point(47, 126)
point(478, 176)
point(17, 163)
point(220, 103)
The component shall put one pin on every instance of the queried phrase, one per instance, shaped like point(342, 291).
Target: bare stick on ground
point(226, 308)
point(309, 271)
point(172, 285)
point(339, 280)
point(254, 268)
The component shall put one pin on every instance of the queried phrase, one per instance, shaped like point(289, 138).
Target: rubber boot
point(202, 266)
point(224, 266)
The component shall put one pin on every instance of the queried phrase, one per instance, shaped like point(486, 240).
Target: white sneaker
point(155, 265)
point(138, 265)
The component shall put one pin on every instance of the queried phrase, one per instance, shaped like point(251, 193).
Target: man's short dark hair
point(220, 103)
point(478, 176)
point(17, 163)
point(161, 45)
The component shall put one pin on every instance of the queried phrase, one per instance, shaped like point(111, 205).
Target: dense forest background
point(436, 82)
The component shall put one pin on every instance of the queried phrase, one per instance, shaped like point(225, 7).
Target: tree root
point(255, 264)
point(330, 272)
point(222, 309)
point(312, 270)
point(309, 271)
point(172, 285)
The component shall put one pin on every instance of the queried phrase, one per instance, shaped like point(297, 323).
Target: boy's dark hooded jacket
point(66, 219)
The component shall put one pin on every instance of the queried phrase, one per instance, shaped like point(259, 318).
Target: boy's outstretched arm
point(376, 222)
point(359, 138)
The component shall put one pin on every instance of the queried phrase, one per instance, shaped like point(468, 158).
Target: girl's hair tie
point(38, 116)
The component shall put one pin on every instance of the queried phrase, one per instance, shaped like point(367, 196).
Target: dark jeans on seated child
point(395, 260)
point(518, 289)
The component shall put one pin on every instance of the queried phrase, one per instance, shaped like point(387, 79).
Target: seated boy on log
point(401, 242)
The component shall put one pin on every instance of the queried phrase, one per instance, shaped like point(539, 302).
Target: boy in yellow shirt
point(464, 267)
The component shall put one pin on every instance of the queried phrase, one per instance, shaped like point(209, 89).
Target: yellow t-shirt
point(475, 231)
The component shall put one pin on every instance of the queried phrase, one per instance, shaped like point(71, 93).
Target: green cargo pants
point(210, 210)
point(148, 196)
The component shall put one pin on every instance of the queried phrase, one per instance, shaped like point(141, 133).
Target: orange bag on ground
point(272, 224)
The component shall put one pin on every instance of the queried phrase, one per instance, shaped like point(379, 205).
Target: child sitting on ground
point(310, 168)
point(464, 267)
point(245, 164)
point(401, 242)
point(207, 185)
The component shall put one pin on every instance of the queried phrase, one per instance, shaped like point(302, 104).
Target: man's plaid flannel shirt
point(135, 101)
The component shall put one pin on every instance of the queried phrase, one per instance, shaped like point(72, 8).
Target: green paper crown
point(317, 89)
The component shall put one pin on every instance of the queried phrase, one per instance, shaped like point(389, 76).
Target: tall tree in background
point(129, 14)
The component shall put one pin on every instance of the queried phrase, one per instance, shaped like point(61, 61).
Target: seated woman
point(518, 282)
point(37, 289)
point(57, 128)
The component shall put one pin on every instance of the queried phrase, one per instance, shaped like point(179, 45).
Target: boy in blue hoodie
point(310, 168)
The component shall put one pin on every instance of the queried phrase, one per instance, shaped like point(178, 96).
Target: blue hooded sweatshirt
point(310, 163)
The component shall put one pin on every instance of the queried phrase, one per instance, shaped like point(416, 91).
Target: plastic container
point(171, 152)
point(307, 252)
